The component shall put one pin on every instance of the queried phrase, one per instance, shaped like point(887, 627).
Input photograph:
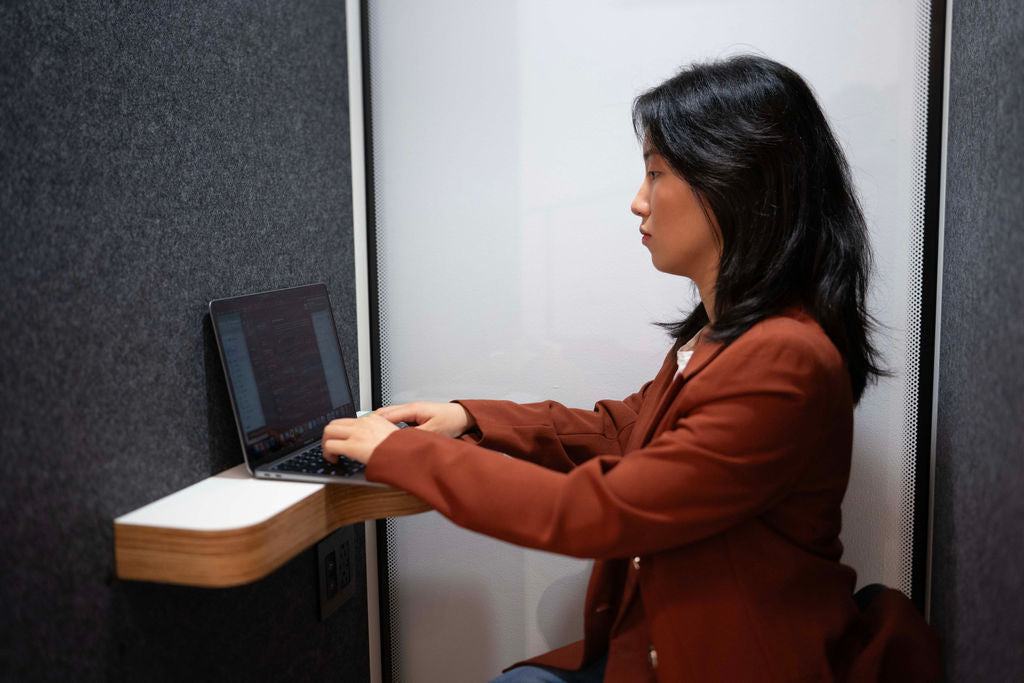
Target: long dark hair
point(748, 136)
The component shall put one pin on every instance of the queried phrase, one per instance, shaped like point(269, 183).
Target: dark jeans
point(542, 674)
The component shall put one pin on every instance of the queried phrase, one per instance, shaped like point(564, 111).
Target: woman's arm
point(446, 419)
point(547, 433)
point(550, 434)
point(743, 434)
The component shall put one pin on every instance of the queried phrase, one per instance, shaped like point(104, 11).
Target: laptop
point(286, 380)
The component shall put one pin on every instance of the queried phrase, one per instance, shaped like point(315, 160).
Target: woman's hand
point(448, 419)
point(355, 437)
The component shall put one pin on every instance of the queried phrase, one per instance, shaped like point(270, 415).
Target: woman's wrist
point(469, 422)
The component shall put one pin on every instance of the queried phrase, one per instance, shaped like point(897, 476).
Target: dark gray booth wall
point(154, 156)
point(978, 547)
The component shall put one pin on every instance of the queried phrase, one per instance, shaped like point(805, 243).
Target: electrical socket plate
point(335, 562)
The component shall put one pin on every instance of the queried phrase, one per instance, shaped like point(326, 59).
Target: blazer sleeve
point(741, 433)
point(552, 435)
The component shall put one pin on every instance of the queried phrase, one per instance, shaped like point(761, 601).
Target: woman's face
point(675, 227)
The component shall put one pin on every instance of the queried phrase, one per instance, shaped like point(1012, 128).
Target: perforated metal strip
point(912, 358)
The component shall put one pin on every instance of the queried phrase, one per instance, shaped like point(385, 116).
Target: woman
point(710, 499)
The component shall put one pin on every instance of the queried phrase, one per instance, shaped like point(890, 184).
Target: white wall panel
point(511, 267)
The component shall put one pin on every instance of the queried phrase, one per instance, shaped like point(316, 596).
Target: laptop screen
point(284, 368)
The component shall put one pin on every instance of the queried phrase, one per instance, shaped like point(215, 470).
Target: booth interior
point(154, 157)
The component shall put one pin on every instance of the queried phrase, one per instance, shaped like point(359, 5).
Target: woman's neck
point(707, 297)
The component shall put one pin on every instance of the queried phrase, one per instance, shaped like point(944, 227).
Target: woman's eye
point(653, 174)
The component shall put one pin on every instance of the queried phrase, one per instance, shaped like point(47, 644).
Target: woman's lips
point(645, 236)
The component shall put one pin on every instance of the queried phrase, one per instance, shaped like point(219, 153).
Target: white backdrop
point(511, 267)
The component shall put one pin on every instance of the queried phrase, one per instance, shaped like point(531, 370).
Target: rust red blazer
point(711, 502)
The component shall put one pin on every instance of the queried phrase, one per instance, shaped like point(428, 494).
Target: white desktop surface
point(232, 499)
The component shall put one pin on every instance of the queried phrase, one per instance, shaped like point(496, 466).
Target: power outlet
point(335, 558)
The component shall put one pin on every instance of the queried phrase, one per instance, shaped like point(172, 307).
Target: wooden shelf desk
point(233, 529)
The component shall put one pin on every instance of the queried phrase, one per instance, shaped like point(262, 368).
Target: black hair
point(748, 136)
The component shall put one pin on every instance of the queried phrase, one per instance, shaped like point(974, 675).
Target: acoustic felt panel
point(979, 507)
point(154, 156)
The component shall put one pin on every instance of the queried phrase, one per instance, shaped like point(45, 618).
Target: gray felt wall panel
point(979, 479)
point(154, 156)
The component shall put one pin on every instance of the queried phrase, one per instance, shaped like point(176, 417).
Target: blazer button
point(636, 562)
point(652, 657)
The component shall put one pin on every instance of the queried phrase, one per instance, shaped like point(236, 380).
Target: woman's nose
point(640, 206)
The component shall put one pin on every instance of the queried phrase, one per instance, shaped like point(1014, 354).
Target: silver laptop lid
point(284, 369)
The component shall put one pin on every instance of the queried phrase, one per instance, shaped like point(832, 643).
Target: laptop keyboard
point(312, 462)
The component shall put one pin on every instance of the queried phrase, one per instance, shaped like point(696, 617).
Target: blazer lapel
point(654, 396)
point(702, 355)
point(668, 385)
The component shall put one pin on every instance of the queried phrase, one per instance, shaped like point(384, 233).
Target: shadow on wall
point(560, 609)
point(450, 615)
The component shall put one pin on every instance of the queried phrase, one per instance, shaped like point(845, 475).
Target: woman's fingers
point(354, 438)
point(406, 412)
point(339, 429)
point(330, 450)
point(449, 419)
point(357, 438)
point(332, 443)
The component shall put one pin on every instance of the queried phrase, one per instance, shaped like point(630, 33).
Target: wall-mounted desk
point(232, 529)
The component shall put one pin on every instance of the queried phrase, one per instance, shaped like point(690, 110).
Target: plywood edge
point(232, 557)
